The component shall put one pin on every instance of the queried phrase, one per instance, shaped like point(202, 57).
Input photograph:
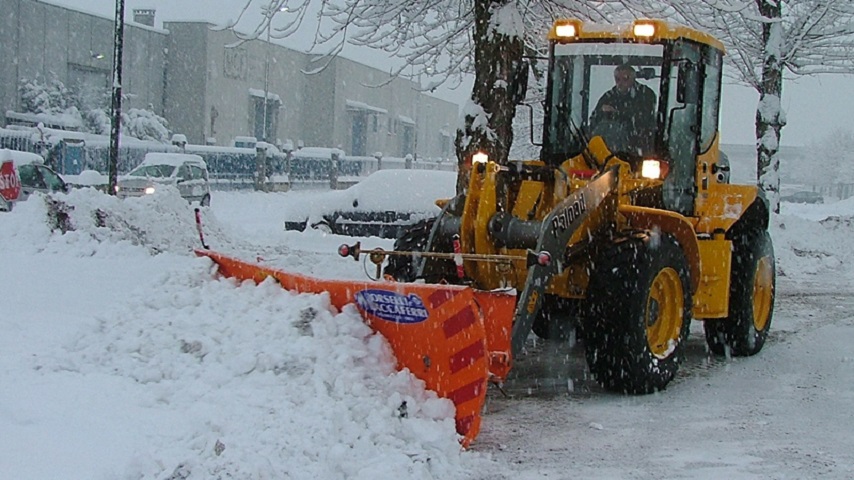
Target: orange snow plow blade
point(445, 335)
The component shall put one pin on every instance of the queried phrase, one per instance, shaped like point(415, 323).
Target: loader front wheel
point(640, 306)
point(751, 301)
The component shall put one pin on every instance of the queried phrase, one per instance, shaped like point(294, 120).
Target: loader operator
point(625, 115)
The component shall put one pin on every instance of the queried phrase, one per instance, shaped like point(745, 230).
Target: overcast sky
point(814, 106)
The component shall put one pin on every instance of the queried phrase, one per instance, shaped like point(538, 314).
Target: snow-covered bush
point(41, 95)
point(145, 125)
point(88, 107)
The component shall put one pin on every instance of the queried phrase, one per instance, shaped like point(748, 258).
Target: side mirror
point(646, 73)
point(520, 82)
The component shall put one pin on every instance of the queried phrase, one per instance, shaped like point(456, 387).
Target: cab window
point(711, 97)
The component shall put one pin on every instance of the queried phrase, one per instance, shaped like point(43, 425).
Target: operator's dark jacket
point(635, 110)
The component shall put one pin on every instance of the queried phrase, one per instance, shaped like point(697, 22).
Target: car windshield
point(161, 171)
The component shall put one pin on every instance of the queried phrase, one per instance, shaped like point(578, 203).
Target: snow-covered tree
point(41, 95)
point(833, 159)
point(445, 39)
point(89, 108)
point(145, 125)
point(765, 39)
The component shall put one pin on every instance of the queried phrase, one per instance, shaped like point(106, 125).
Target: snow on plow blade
point(453, 338)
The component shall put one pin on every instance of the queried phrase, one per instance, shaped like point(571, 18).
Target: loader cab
point(679, 66)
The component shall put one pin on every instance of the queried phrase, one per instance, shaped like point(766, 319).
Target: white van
point(187, 172)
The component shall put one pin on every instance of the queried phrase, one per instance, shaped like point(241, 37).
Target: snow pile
point(813, 239)
point(163, 222)
point(132, 359)
point(269, 385)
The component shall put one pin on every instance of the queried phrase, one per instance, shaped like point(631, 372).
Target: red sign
point(10, 184)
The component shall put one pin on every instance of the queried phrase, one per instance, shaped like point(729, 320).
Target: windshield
point(161, 171)
point(610, 90)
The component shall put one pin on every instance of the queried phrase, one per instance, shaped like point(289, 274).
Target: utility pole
point(266, 79)
point(270, 12)
point(116, 103)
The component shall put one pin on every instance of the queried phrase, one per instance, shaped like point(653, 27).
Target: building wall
point(318, 107)
point(8, 55)
point(43, 40)
point(205, 81)
point(186, 79)
point(359, 90)
point(235, 73)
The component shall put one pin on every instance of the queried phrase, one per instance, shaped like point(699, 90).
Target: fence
point(229, 168)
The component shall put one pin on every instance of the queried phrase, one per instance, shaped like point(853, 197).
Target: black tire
point(413, 239)
point(640, 307)
point(324, 227)
point(751, 298)
point(416, 238)
point(557, 319)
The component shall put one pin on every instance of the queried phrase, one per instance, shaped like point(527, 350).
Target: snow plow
point(623, 231)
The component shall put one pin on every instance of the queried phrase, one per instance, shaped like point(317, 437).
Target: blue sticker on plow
point(392, 307)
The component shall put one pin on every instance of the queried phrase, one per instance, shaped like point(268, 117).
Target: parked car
point(24, 173)
point(187, 172)
point(381, 205)
point(803, 197)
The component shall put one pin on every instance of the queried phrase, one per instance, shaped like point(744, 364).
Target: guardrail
point(229, 168)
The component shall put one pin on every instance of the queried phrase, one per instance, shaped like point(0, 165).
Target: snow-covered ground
point(123, 356)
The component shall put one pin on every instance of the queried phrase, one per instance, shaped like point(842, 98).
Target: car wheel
point(640, 306)
point(751, 301)
point(414, 238)
point(323, 227)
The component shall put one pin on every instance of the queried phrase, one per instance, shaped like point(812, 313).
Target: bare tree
point(765, 39)
point(445, 39)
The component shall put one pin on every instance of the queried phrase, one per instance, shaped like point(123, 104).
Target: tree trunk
point(769, 114)
point(488, 121)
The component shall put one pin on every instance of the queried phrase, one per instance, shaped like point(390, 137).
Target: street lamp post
point(270, 12)
point(418, 110)
point(116, 100)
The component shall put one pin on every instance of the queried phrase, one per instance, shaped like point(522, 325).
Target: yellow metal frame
point(664, 31)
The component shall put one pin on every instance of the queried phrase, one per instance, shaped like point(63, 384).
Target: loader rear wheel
point(751, 301)
point(640, 299)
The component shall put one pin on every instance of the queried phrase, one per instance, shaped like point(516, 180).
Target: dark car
point(28, 174)
point(381, 205)
point(803, 197)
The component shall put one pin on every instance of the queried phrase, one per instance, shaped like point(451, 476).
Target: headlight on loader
point(651, 169)
point(149, 190)
point(479, 157)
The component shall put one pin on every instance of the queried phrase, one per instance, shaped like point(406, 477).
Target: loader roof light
point(651, 168)
point(644, 29)
point(566, 31)
point(479, 157)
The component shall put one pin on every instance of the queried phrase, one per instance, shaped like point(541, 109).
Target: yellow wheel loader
point(626, 227)
point(624, 230)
